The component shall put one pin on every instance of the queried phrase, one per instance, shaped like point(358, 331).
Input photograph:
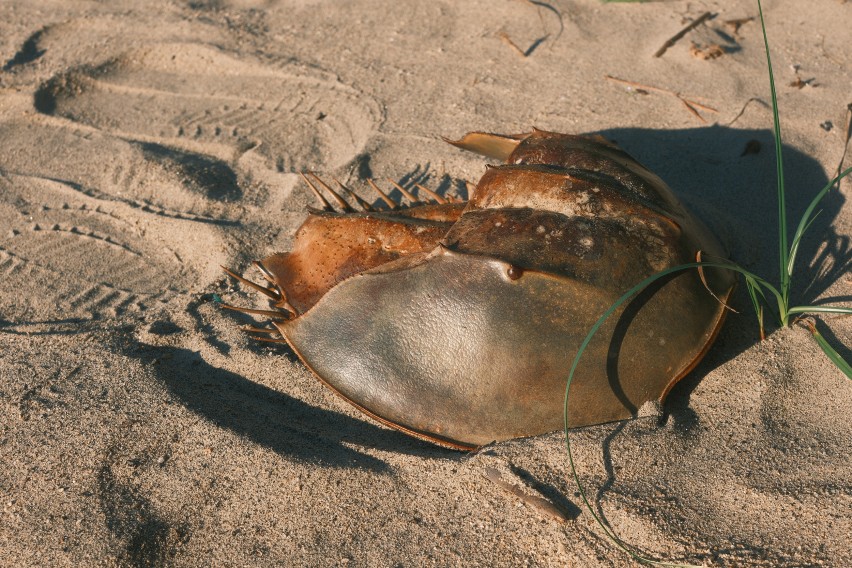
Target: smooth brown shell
point(459, 325)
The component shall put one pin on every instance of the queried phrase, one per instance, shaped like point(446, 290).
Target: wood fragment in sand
point(692, 110)
point(538, 4)
point(745, 106)
point(691, 105)
point(674, 39)
point(800, 83)
point(737, 23)
point(710, 51)
point(541, 504)
point(696, 104)
point(508, 41)
point(636, 85)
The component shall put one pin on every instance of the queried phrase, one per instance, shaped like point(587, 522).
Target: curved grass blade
point(819, 310)
point(809, 216)
point(779, 163)
point(754, 291)
point(829, 351)
point(758, 282)
point(794, 248)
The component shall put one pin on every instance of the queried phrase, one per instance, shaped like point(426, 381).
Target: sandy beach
point(144, 144)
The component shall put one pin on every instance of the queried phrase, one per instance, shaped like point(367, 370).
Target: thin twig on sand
point(691, 105)
point(737, 23)
point(673, 40)
point(508, 41)
point(538, 4)
point(541, 504)
point(745, 106)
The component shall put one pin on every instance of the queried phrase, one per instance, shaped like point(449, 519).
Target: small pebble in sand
point(751, 147)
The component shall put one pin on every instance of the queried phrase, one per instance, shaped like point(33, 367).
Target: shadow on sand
point(734, 193)
point(275, 420)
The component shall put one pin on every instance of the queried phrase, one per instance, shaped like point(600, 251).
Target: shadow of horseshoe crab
point(275, 420)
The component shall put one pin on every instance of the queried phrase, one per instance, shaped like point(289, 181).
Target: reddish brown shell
point(457, 323)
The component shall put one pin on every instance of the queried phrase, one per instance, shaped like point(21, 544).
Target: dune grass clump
point(765, 296)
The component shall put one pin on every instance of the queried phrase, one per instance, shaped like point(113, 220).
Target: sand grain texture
point(143, 144)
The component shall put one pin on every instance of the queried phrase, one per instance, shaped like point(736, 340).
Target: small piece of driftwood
point(673, 40)
point(540, 504)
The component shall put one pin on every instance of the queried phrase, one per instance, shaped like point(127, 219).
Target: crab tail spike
point(263, 330)
point(340, 201)
point(268, 313)
point(326, 206)
point(406, 193)
point(271, 294)
point(439, 198)
point(361, 202)
point(264, 271)
point(391, 203)
point(287, 306)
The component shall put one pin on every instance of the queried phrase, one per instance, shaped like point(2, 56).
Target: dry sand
point(144, 143)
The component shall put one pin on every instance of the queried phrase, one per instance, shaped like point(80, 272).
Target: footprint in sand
point(88, 236)
point(102, 236)
point(201, 100)
point(73, 255)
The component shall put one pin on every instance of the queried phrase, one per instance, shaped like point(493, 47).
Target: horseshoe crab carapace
point(457, 322)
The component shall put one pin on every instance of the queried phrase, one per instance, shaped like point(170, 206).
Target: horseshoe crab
point(457, 322)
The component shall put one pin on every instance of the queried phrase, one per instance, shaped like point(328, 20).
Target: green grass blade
point(797, 238)
point(759, 284)
point(830, 352)
point(754, 291)
point(820, 310)
point(782, 204)
point(808, 218)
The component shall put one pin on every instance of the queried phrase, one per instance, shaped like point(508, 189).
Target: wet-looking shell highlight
point(457, 322)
